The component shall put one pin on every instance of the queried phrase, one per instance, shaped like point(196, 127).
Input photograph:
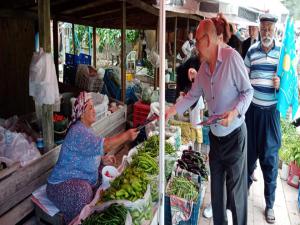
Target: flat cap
point(268, 17)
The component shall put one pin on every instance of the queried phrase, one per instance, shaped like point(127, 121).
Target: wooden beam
point(94, 47)
point(71, 19)
point(18, 14)
point(45, 43)
point(175, 47)
point(55, 46)
point(144, 6)
point(181, 15)
point(101, 13)
point(105, 12)
point(123, 53)
point(85, 6)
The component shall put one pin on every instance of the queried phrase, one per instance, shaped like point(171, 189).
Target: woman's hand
point(132, 134)
point(109, 160)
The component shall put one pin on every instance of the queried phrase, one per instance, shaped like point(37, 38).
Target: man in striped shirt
point(262, 118)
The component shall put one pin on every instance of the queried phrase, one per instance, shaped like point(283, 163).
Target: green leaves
point(290, 147)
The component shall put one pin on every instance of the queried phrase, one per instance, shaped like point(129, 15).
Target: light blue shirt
point(79, 157)
point(227, 88)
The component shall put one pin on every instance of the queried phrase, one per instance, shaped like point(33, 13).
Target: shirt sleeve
point(242, 82)
point(247, 62)
point(191, 97)
point(184, 48)
point(83, 140)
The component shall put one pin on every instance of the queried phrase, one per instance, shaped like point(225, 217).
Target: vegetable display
point(145, 162)
point(113, 215)
point(151, 146)
point(130, 185)
point(183, 188)
point(193, 162)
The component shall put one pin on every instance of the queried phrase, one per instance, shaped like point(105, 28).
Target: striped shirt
point(261, 67)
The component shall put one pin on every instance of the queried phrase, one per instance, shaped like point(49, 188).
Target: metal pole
point(162, 41)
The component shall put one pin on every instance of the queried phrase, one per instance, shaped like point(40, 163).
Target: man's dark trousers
point(264, 141)
point(228, 160)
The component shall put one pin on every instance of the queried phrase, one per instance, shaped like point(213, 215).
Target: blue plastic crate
point(69, 59)
point(85, 59)
point(195, 213)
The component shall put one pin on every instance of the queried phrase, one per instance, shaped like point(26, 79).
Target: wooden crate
point(16, 189)
point(107, 125)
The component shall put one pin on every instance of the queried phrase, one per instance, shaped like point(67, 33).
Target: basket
point(90, 84)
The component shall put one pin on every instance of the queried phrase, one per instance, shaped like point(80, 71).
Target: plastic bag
point(43, 86)
point(15, 147)
point(195, 113)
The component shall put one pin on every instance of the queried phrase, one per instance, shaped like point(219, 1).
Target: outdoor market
point(149, 112)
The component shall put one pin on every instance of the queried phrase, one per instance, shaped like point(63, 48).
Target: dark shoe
point(270, 216)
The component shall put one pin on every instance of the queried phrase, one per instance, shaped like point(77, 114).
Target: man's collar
point(220, 59)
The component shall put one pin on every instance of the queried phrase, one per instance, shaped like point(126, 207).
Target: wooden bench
point(43, 218)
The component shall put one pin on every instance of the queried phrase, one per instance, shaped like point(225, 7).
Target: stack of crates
point(69, 73)
point(171, 92)
point(140, 113)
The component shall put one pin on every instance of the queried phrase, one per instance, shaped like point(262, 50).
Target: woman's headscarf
point(80, 105)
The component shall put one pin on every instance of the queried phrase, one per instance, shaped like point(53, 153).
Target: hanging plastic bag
point(43, 86)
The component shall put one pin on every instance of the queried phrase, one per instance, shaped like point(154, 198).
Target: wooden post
point(175, 44)
point(45, 43)
point(123, 53)
point(73, 38)
point(55, 46)
point(94, 47)
point(188, 25)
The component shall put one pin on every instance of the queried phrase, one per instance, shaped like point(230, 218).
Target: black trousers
point(264, 141)
point(228, 167)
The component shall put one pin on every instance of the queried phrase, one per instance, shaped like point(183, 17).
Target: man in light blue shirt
point(223, 81)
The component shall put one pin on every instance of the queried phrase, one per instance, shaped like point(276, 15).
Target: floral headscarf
point(80, 105)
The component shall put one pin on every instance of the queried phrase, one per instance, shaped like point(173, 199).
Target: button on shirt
point(227, 88)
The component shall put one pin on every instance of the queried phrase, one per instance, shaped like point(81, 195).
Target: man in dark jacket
point(253, 37)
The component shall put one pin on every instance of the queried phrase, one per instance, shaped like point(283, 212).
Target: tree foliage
point(294, 7)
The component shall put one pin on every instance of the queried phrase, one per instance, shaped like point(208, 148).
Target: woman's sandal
point(270, 216)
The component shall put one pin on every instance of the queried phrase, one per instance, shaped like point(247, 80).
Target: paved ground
point(286, 210)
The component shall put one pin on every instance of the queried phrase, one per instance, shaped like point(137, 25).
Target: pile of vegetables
point(130, 185)
point(151, 146)
point(188, 133)
point(193, 162)
point(139, 215)
point(113, 215)
point(146, 162)
point(183, 188)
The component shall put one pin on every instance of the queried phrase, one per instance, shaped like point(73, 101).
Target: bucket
point(109, 173)
point(284, 171)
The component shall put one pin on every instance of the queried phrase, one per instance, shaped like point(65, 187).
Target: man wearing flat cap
point(262, 117)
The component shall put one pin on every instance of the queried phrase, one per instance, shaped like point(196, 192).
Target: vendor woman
point(74, 178)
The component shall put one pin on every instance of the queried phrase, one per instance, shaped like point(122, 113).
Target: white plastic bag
point(15, 147)
point(195, 113)
point(43, 86)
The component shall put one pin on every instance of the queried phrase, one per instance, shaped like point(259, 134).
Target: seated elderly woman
point(74, 178)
